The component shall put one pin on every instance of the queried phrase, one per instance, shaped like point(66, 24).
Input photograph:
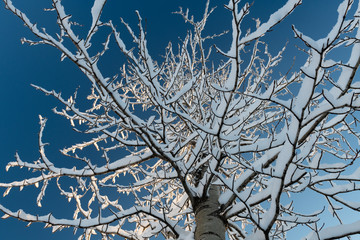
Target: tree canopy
point(203, 147)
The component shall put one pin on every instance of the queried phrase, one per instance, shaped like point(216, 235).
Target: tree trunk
point(209, 225)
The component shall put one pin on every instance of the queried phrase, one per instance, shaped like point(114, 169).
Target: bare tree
point(212, 151)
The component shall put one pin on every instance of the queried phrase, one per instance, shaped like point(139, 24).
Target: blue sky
point(21, 65)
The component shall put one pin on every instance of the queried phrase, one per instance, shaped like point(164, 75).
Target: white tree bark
point(209, 225)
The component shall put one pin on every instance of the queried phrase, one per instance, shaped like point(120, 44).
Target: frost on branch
point(203, 150)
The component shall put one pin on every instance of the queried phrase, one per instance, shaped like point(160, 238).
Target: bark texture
point(209, 224)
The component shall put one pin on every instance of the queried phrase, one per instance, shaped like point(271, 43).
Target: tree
point(212, 150)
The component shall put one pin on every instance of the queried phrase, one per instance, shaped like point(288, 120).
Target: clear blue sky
point(21, 65)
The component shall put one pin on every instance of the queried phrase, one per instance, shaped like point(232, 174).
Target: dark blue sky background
point(21, 65)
